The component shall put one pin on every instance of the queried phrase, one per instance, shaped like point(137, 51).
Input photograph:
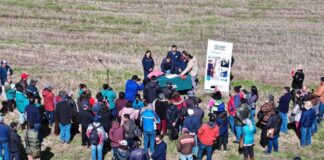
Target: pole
point(107, 69)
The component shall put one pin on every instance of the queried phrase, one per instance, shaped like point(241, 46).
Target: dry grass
point(60, 41)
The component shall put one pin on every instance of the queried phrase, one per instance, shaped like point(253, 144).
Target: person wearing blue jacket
point(4, 139)
point(33, 114)
point(175, 56)
point(191, 122)
point(160, 149)
point(149, 119)
point(167, 65)
point(249, 130)
point(21, 103)
point(284, 108)
point(222, 122)
point(132, 87)
point(306, 121)
point(3, 76)
point(109, 95)
point(147, 63)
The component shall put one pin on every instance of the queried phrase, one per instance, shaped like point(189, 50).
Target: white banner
point(218, 65)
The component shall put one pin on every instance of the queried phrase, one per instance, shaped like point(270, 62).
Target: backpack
point(94, 136)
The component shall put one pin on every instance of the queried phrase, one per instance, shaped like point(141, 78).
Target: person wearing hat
point(123, 151)
point(179, 102)
point(132, 87)
point(96, 134)
point(48, 97)
point(161, 106)
point(85, 118)
point(298, 78)
point(306, 121)
point(4, 139)
point(283, 108)
point(64, 113)
point(15, 142)
point(138, 153)
point(249, 131)
point(185, 145)
point(319, 92)
point(152, 90)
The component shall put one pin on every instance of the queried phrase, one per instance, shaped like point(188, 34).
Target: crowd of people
point(128, 122)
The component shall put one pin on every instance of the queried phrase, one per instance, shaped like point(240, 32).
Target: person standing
point(97, 136)
point(4, 139)
point(133, 113)
point(33, 114)
point(160, 150)
point(130, 128)
point(249, 131)
point(272, 128)
point(138, 153)
point(32, 90)
point(120, 103)
point(222, 122)
point(147, 63)
point(152, 90)
point(231, 109)
point(306, 121)
point(242, 113)
point(185, 145)
point(116, 134)
point(85, 118)
point(149, 120)
point(64, 113)
point(48, 97)
point(298, 78)
point(23, 81)
point(319, 92)
point(192, 69)
point(21, 103)
point(252, 99)
point(109, 95)
point(15, 142)
point(284, 108)
point(173, 117)
point(161, 106)
point(175, 56)
point(33, 145)
point(132, 87)
point(207, 135)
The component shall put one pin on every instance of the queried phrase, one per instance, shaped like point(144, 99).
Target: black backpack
point(94, 136)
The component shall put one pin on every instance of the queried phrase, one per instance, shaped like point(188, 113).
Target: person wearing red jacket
point(48, 97)
point(207, 134)
point(231, 109)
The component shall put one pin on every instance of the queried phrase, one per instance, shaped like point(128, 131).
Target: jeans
point(14, 155)
point(186, 157)
point(22, 118)
point(306, 136)
point(273, 142)
point(5, 147)
point(284, 125)
point(195, 149)
point(50, 117)
point(96, 150)
point(65, 132)
point(238, 132)
point(202, 147)
point(193, 81)
point(321, 112)
point(149, 139)
point(231, 120)
point(252, 116)
point(314, 126)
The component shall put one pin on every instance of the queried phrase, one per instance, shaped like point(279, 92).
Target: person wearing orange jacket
point(207, 134)
point(320, 93)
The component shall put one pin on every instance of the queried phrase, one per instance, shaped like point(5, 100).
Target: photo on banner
point(218, 66)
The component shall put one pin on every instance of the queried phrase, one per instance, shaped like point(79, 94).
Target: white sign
point(218, 65)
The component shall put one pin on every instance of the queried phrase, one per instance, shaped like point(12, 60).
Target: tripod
point(107, 69)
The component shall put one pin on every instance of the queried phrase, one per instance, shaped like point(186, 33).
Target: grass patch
point(263, 5)
point(87, 8)
point(12, 42)
point(31, 4)
point(209, 21)
point(115, 1)
point(115, 20)
point(77, 27)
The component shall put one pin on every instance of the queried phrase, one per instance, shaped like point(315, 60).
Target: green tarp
point(182, 84)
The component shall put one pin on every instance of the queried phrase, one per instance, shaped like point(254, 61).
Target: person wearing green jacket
point(21, 103)
point(109, 95)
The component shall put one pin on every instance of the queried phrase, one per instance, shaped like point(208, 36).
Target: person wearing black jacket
point(85, 118)
point(64, 113)
point(152, 90)
point(168, 90)
point(172, 117)
point(160, 150)
point(15, 142)
point(298, 79)
point(161, 106)
point(274, 122)
point(105, 118)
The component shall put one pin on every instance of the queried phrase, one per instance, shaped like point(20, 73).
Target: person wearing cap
point(21, 103)
point(319, 92)
point(48, 97)
point(306, 121)
point(185, 145)
point(192, 69)
point(161, 106)
point(207, 134)
point(298, 78)
point(147, 63)
point(138, 153)
point(64, 113)
point(23, 81)
point(109, 95)
point(32, 89)
point(4, 139)
point(15, 142)
point(96, 150)
point(249, 131)
point(160, 150)
point(152, 90)
point(149, 119)
point(175, 56)
point(122, 152)
point(85, 118)
point(283, 108)
point(132, 87)
point(116, 134)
